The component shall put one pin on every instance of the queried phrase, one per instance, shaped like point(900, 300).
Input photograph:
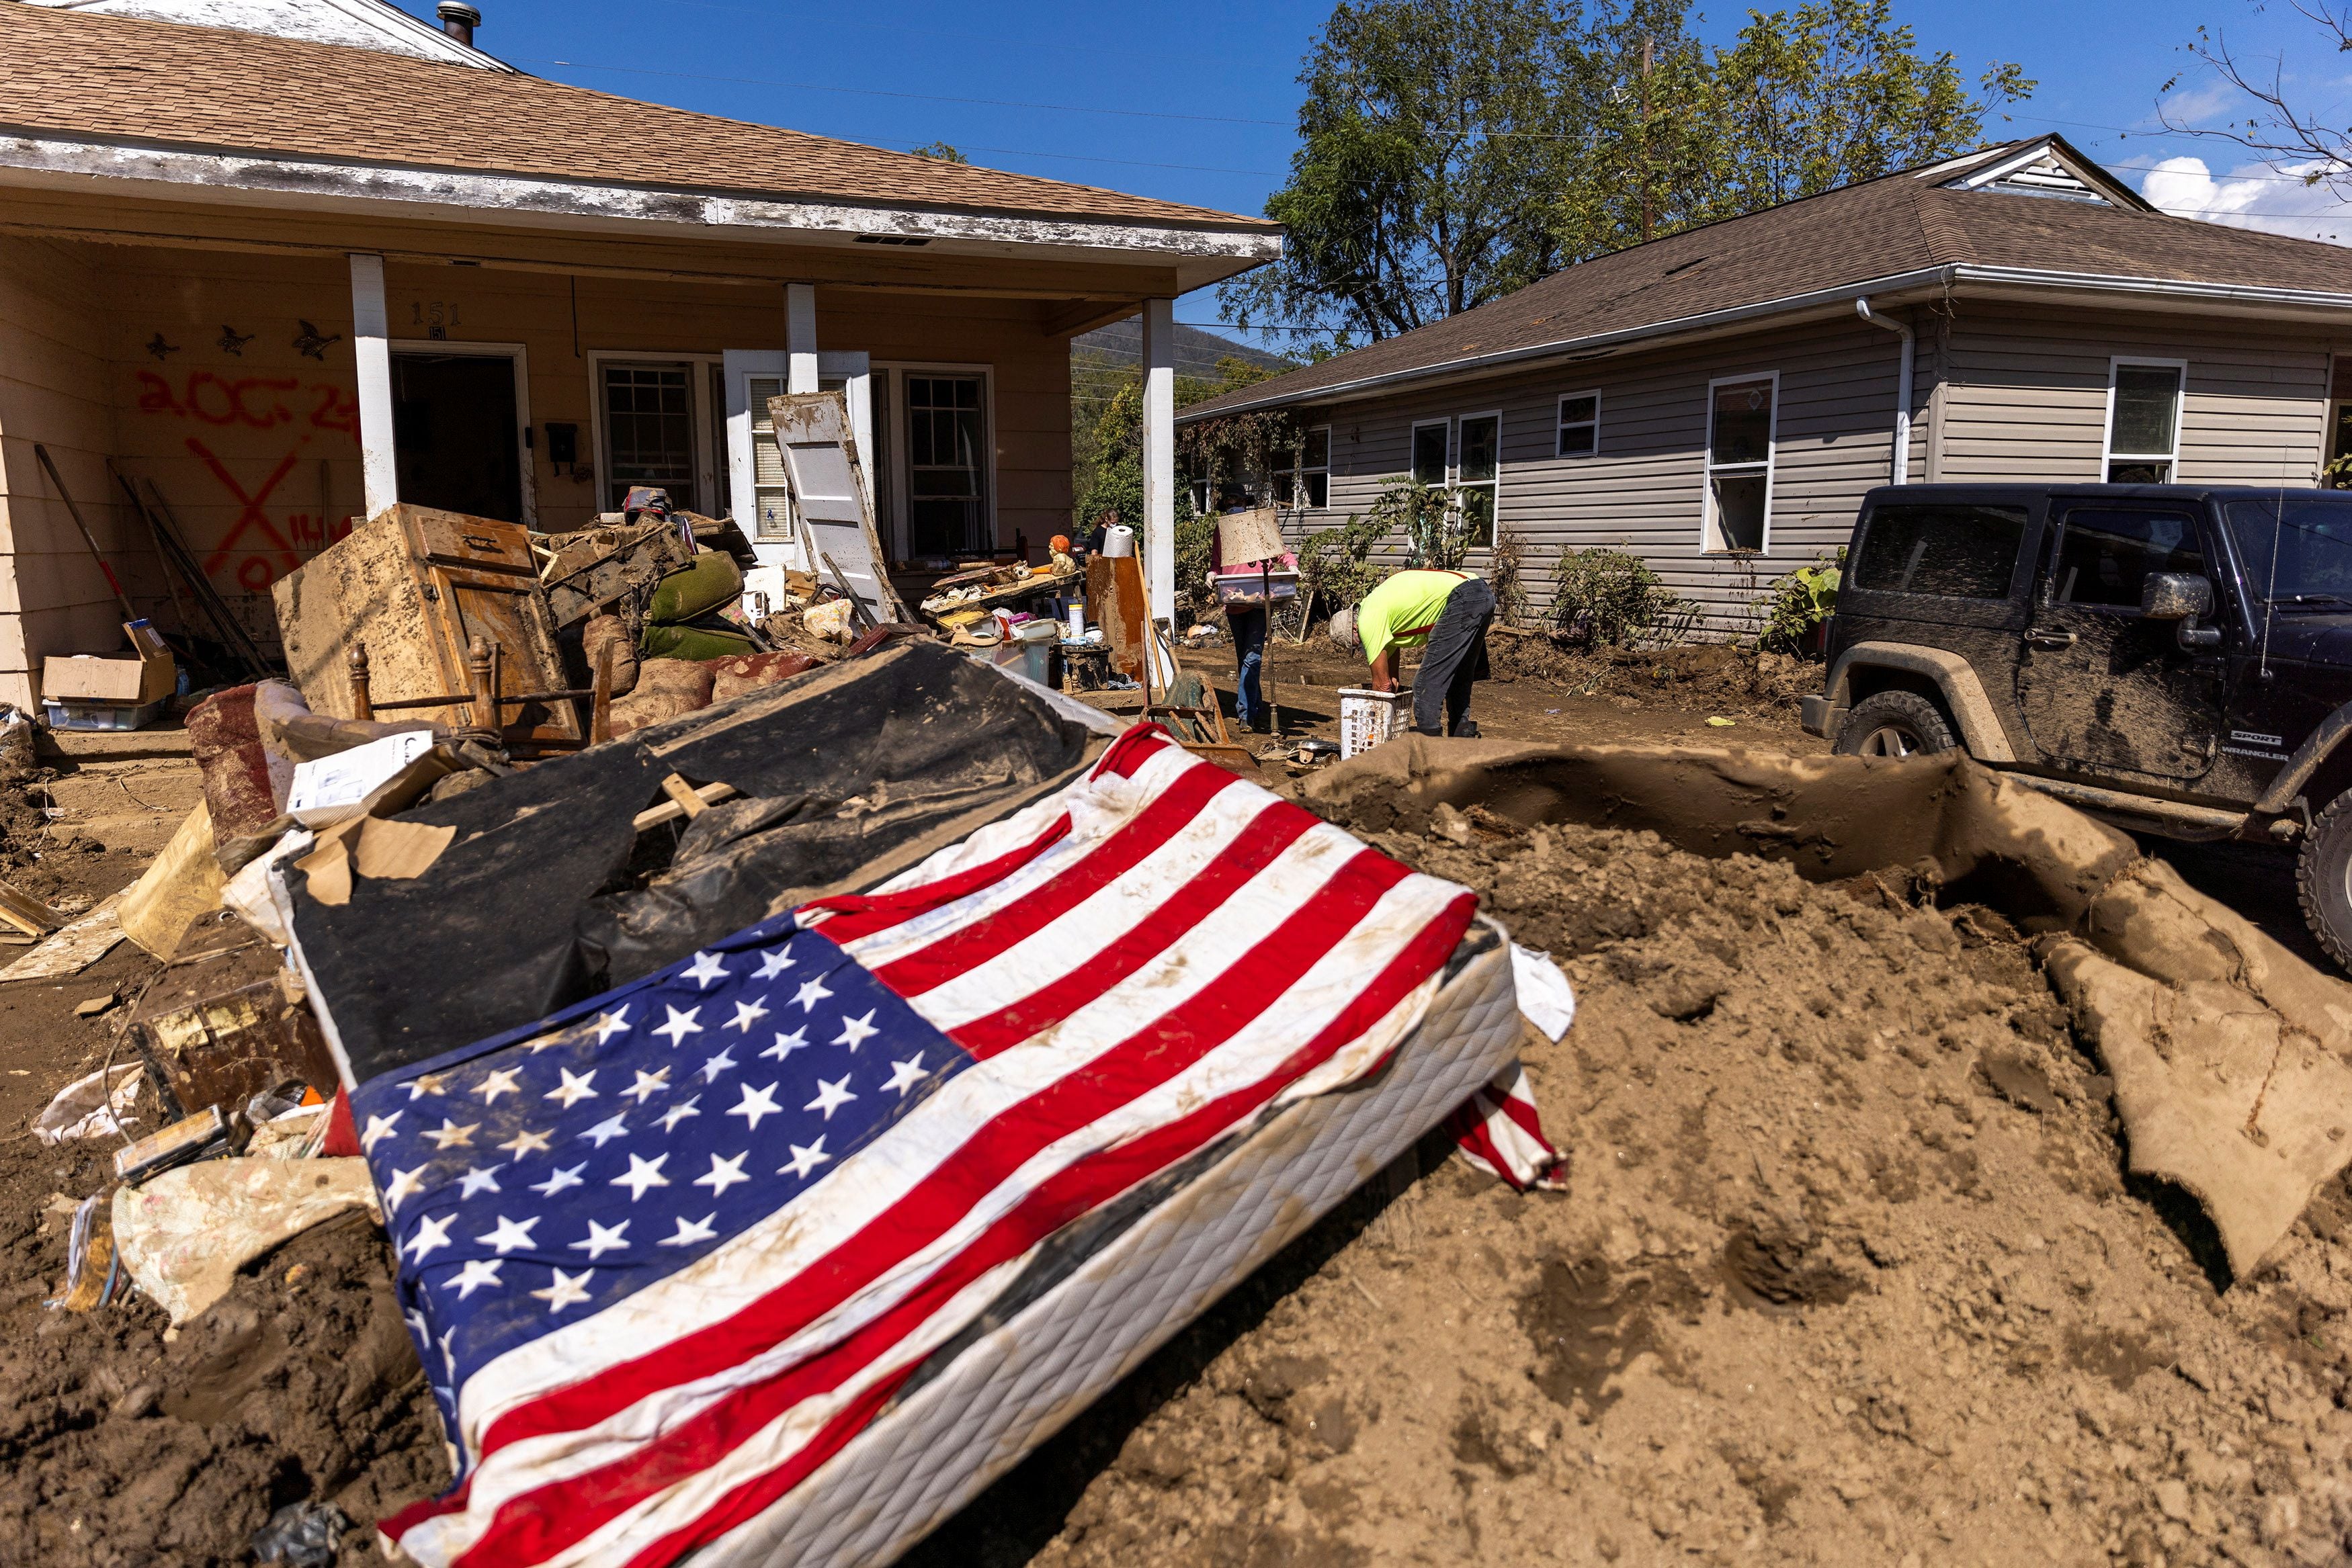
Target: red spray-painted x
point(252, 516)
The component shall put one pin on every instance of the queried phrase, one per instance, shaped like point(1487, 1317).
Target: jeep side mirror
point(2175, 596)
point(2184, 596)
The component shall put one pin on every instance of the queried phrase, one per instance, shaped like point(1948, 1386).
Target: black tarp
point(847, 773)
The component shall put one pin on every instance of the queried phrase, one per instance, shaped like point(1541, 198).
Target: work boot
point(1466, 730)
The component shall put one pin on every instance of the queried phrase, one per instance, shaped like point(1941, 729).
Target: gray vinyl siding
point(2027, 395)
point(2023, 390)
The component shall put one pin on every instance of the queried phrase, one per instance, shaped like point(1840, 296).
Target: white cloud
point(2271, 197)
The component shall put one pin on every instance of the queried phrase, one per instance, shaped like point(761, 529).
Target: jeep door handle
point(2050, 639)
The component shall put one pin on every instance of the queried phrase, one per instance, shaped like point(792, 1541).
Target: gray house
point(1718, 402)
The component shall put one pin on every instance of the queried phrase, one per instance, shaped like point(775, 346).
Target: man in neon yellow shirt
point(1445, 611)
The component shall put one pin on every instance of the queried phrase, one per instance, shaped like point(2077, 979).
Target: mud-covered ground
point(1847, 1274)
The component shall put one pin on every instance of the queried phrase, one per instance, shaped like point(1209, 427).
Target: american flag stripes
point(1498, 1131)
point(665, 1253)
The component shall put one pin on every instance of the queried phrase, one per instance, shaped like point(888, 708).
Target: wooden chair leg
point(600, 704)
point(363, 706)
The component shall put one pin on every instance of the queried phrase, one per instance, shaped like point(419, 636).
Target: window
point(1954, 552)
point(771, 503)
point(2297, 552)
point(947, 465)
point(1480, 474)
point(1739, 435)
point(2105, 553)
point(649, 432)
point(1580, 424)
point(1430, 466)
point(2143, 420)
point(1314, 469)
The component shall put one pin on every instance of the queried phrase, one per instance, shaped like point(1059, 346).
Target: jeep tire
point(1897, 724)
point(2323, 878)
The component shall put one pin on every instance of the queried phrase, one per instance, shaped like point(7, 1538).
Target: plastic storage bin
point(76, 714)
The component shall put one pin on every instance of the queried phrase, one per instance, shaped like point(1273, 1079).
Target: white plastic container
point(1367, 717)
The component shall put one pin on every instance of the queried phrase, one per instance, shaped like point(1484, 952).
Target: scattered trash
point(384, 847)
point(207, 1135)
point(348, 777)
point(185, 1235)
point(91, 1107)
point(110, 691)
point(1720, 722)
point(1546, 999)
point(226, 1020)
point(301, 1535)
point(90, 1007)
point(178, 888)
point(27, 913)
point(92, 1270)
point(81, 943)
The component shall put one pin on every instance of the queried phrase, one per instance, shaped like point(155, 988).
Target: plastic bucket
point(1037, 640)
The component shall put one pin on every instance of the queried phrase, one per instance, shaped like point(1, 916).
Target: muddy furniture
point(417, 587)
point(225, 1020)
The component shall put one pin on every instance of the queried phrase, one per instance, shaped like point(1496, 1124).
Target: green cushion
point(702, 640)
point(709, 584)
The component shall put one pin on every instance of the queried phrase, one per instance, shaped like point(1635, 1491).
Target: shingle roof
point(1881, 228)
point(116, 78)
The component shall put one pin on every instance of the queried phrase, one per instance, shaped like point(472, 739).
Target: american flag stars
point(619, 1158)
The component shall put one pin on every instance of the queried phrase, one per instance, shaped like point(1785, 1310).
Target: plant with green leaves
point(1800, 602)
point(1611, 598)
point(1336, 567)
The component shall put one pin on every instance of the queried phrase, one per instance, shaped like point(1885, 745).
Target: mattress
point(1102, 1297)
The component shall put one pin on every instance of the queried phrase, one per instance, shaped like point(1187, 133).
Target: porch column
point(1160, 455)
point(372, 351)
point(800, 336)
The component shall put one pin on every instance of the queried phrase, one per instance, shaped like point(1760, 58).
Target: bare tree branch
point(2275, 130)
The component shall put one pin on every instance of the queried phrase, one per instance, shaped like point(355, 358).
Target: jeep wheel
point(2323, 877)
point(1893, 724)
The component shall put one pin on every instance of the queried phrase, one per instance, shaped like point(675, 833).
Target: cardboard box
point(143, 676)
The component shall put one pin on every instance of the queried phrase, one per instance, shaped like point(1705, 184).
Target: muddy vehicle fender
point(2323, 743)
point(1955, 681)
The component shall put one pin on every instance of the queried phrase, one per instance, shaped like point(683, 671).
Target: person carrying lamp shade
point(1248, 621)
point(1445, 611)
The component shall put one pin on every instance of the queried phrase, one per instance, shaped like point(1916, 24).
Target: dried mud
point(1848, 1274)
point(122, 1446)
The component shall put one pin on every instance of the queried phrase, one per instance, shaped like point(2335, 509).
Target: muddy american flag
point(666, 1251)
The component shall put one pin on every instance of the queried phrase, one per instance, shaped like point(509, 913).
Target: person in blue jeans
point(1248, 622)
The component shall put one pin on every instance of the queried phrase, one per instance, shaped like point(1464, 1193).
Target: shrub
point(1609, 597)
point(1798, 603)
point(1507, 575)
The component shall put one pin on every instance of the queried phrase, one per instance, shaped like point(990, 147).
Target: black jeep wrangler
point(2175, 658)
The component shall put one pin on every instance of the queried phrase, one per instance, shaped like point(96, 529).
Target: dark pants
point(1248, 623)
point(1456, 656)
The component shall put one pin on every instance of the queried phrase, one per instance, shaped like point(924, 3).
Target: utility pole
point(1649, 46)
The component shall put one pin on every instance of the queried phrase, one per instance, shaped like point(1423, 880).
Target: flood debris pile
point(1849, 1271)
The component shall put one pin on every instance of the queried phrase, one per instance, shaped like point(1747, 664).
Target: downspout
point(1902, 466)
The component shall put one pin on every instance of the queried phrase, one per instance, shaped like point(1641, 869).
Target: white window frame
point(894, 527)
point(1459, 484)
point(1561, 422)
point(1710, 536)
point(740, 366)
point(525, 443)
point(1305, 468)
point(2108, 456)
point(708, 482)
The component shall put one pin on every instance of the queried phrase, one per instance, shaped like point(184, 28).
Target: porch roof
point(83, 94)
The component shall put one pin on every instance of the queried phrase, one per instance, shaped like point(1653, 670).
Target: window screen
point(2106, 552)
point(1951, 551)
point(1429, 453)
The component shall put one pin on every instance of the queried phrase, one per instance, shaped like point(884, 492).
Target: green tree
point(941, 152)
point(1833, 93)
point(1454, 150)
point(1426, 127)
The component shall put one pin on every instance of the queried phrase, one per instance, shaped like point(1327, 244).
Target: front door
point(455, 436)
point(755, 465)
point(2101, 688)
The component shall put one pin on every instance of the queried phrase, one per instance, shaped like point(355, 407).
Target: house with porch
point(288, 261)
point(1718, 402)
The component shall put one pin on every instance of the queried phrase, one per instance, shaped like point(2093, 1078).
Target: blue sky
point(1196, 103)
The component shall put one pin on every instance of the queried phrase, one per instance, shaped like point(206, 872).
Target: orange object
point(1061, 543)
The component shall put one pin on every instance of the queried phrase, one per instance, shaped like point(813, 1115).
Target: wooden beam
point(1073, 317)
